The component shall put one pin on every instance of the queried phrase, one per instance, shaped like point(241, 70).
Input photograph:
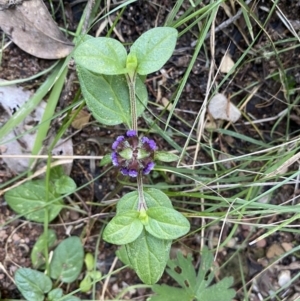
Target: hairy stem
point(142, 203)
point(131, 86)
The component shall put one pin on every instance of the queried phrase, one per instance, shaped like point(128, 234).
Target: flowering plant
point(145, 222)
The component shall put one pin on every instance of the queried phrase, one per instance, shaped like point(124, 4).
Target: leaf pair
point(108, 56)
point(146, 237)
point(160, 220)
point(103, 62)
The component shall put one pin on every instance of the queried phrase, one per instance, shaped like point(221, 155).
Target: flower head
point(133, 155)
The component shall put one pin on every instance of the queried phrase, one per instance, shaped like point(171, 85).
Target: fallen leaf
point(226, 64)
point(81, 119)
point(19, 143)
point(274, 250)
point(221, 108)
point(31, 27)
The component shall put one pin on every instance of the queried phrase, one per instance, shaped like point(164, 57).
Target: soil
point(17, 236)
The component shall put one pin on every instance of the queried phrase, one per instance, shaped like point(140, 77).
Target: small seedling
point(64, 267)
point(91, 274)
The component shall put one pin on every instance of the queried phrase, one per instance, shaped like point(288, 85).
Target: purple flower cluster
point(133, 155)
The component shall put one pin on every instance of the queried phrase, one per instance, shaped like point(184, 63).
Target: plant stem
point(131, 85)
point(142, 203)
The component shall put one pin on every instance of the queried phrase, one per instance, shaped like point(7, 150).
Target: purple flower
point(131, 133)
point(117, 142)
point(133, 155)
point(152, 144)
point(133, 173)
point(125, 171)
point(149, 142)
point(114, 159)
point(148, 168)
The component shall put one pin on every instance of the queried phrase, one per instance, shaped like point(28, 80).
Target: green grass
point(223, 174)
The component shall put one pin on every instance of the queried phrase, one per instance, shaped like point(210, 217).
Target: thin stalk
point(131, 85)
point(142, 203)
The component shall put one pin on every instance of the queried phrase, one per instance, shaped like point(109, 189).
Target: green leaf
point(153, 48)
point(67, 260)
point(56, 172)
point(65, 185)
point(148, 256)
point(95, 275)
point(85, 284)
point(153, 198)
point(38, 250)
point(166, 223)
point(102, 55)
point(165, 292)
point(205, 276)
point(183, 272)
point(165, 156)
point(70, 298)
point(122, 255)
point(123, 229)
point(55, 294)
point(89, 261)
point(218, 291)
point(30, 200)
point(32, 284)
point(194, 287)
point(105, 160)
point(107, 96)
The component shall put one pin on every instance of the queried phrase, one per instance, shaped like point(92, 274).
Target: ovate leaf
point(165, 156)
point(153, 48)
point(123, 255)
point(153, 198)
point(86, 284)
point(30, 200)
point(148, 256)
point(55, 294)
point(67, 260)
point(105, 160)
point(166, 223)
point(107, 96)
point(32, 284)
point(38, 250)
point(102, 55)
point(123, 229)
point(65, 185)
